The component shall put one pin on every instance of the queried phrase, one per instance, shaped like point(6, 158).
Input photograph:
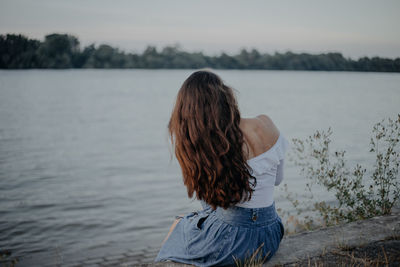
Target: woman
point(231, 164)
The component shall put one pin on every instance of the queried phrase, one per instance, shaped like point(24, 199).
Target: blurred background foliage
point(63, 51)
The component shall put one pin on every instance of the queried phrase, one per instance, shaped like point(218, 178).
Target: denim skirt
point(217, 237)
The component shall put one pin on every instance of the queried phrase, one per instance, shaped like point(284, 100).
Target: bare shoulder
point(260, 133)
point(267, 124)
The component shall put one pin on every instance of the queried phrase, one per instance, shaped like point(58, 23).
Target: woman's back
point(266, 148)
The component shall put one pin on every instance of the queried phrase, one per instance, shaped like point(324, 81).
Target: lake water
point(85, 163)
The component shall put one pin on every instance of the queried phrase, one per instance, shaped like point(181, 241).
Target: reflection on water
point(85, 161)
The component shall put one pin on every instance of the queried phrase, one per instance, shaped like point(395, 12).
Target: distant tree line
point(61, 51)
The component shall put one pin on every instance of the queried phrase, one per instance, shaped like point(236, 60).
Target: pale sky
point(354, 28)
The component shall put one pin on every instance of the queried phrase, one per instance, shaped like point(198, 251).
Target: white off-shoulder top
point(268, 170)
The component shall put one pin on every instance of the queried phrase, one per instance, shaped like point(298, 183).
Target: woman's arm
point(279, 172)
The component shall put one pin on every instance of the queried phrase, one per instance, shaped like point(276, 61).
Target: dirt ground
point(380, 253)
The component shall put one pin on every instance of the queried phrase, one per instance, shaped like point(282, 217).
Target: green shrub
point(357, 196)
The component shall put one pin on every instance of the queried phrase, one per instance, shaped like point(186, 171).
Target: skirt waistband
point(245, 216)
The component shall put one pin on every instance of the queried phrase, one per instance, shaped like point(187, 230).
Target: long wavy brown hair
point(208, 143)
